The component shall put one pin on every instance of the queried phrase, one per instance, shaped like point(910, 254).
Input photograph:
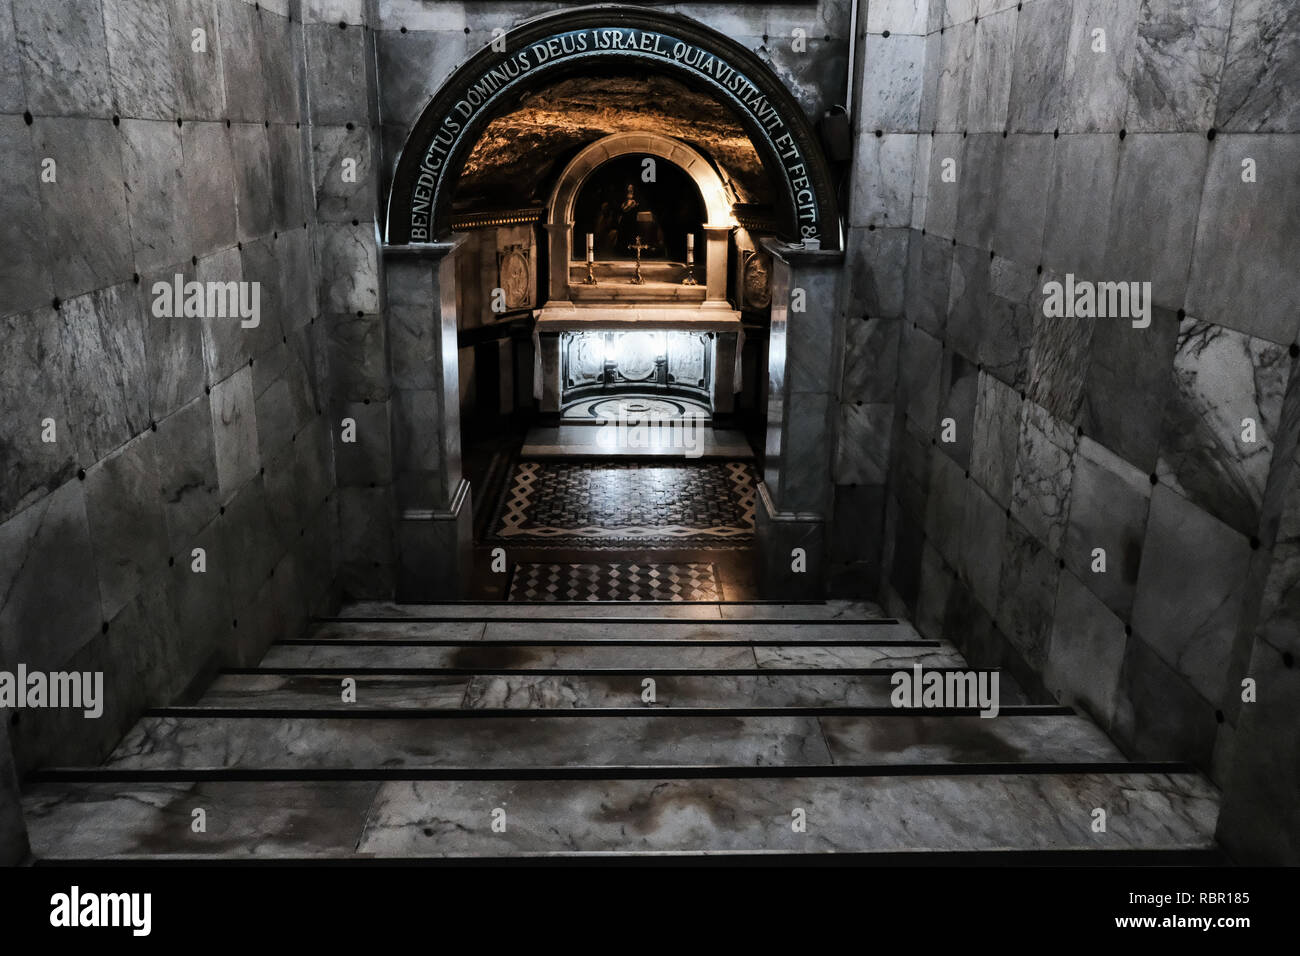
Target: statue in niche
point(620, 224)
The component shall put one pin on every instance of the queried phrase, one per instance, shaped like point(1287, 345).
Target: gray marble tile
point(1109, 500)
point(870, 360)
point(1007, 322)
point(258, 263)
point(876, 814)
point(1259, 817)
point(104, 368)
point(241, 62)
point(1022, 197)
point(942, 191)
point(1027, 595)
point(208, 179)
point(995, 437)
point(1177, 64)
point(990, 73)
point(896, 16)
point(25, 269)
point(290, 182)
point(967, 301)
point(199, 85)
point(251, 545)
point(1158, 714)
point(1039, 77)
point(87, 212)
point(140, 36)
point(862, 448)
point(335, 148)
point(414, 65)
point(124, 508)
point(293, 691)
point(1241, 276)
point(64, 58)
point(957, 409)
point(151, 160)
point(1097, 83)
point(187, 471)
point(956, 48)
point(911, 470)
point(884, 170)
point(50, 604)
point(370, 458)
point(978, 180)
point(984, 527)
point(281, 52)
point(176, 371)
point(1085, 652)
point(1157, 172)
point(1040, 494)
point(244, 820)
point(1079, 204)
point(1128, 385)
point(349, 268)
point(1189, 590)
point(1259, 91)
point(250, 151)
point(890, 92)
point(12, 97)
point(929, 271)
point(31, 375)
point(945, 509)
point(248, 742)
point(1058, 362)
point(14, 847)
point(336, 77)
point(1222, 378)
point(938, 740)
point(833, 609)
point(234, 430)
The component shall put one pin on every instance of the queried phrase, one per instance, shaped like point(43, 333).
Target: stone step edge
point(352, 712)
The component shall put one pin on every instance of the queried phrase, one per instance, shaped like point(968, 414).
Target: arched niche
point(587, 39)
point(564, 196)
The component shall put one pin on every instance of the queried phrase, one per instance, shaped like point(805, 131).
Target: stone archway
point(568, 42)
point(717, 204)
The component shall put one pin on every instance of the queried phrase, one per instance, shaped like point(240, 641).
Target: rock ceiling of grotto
point(522, 152)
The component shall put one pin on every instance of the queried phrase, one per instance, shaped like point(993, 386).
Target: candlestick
point(690, 259)
point(591, 276)
point(591, 247)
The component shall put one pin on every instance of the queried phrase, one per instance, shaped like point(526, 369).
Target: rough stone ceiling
point(521, 153)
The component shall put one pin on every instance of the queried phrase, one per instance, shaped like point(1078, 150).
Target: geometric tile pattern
point(628, 505)
point(614, 581)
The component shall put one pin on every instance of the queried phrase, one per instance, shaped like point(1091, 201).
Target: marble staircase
point(510, 730)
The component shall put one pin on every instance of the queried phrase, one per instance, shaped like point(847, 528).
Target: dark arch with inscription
point(569, 42)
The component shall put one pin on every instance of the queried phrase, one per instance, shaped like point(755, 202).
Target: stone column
point(716, 239)
point(559, 249)
point(796, 492)
point(434, 514)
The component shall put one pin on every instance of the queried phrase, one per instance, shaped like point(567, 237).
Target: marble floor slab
point(831, 610)
point(586, 441)
point(546, 692)
point(1148, 811)
point(877, 814)
point(252, 820)
point(203, 742)
point(480, 612)
point(679, 656)
point(922, 739)
point(702, 631)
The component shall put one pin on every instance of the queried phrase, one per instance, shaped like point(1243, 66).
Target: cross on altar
point(638, 247)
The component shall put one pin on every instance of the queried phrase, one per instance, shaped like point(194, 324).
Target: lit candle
point(591, 247)
point(690, 248)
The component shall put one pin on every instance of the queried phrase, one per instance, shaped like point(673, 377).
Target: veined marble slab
point(920, 739)
point(856, 610)
point(657, 739)
point(198, 742)
point(285, 691)
point(478, 612)
point(738, 630)
point(487, 657)
point(701, 656)
point(878, 814)
point(547, 692)
point(256, 820)
point(1147, 811)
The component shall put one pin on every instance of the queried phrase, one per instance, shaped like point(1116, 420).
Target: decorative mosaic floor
point(615, 582)
point(627, 506)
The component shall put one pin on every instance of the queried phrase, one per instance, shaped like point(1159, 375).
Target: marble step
point(273, 691)
point(542, 632)
point(902, 814)
point(603, 744)
point(812, 611)
point(680, 657)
